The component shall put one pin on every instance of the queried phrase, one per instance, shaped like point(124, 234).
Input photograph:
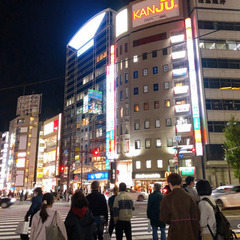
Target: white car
point(230, 199)
point(222, 190)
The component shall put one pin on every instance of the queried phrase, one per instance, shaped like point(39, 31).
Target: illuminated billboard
point(122, 22)
point(98, 176)
point(194, 89)
point(51, 127)
point(92, 102)
point(153, 10)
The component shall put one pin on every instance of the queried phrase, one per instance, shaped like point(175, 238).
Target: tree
point(232, 145)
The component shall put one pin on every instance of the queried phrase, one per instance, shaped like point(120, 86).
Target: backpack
point(223, 225)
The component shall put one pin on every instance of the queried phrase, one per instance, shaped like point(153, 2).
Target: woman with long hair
point(79, 221)
point(45, 218)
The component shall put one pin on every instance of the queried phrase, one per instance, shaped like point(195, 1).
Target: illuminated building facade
point(84, 125)
point(23, 135)
point(4, 143)
point(49, 154)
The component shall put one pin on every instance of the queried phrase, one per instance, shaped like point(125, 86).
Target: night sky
point(33, 39)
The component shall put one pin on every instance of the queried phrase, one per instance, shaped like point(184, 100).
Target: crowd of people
point(182, 209)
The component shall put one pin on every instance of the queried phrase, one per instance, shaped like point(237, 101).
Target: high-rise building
point(84, 124)
point(4, 144)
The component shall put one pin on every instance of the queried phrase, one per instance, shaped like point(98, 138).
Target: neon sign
point(194, 89)
point(153, 10)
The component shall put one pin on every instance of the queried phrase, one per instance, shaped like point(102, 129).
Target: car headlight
point(13, 200)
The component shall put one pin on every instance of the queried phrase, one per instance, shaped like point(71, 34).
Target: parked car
point(6, 202)
point(135, 195)
point(230, 199)
point(222, 190)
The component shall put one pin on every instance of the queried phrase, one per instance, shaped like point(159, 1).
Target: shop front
point(102, 177)
point(49, 184)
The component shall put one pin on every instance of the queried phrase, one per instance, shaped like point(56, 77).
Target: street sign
point(66, 152)
point(177, 138)
point(181, 155)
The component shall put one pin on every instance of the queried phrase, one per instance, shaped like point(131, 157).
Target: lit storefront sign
point(179, 72)
point(110, 108)
point(184, 128)
point(22, 154)
point(181, 89)
point(51, 127)
point(20, 162)
point(177, 38)
point(178, 55)
point(194, 89)
point(98, 176)
point(147, 176)
point(153, 10)
point(122, 22)
point(186, 171)
point(182, 108)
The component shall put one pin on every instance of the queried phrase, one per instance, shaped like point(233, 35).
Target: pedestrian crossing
point(10, 217)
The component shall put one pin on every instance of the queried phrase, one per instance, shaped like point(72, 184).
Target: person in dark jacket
point(79, 221)
point(34, 208)
point(110, 204)
point(153, 212)
point(98, 206)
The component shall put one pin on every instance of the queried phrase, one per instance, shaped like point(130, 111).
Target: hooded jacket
point(80, 224)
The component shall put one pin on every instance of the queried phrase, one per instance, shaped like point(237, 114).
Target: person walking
point(34, 208)
point(98, 206)
point(79, 221)
point(110, 204)
point(180, 211)
point(207, 215)
point(190, 188)
point(153, 212)
point(45, 218)
point(122, 213)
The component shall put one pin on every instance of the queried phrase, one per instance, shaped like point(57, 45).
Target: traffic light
point(62, 169)
point(193, 150)
point(95, 152)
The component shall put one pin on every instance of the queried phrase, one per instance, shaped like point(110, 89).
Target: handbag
point(106, 235)
point(22, 228)
point(53, 232)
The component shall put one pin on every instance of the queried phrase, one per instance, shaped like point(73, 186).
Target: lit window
point(147, 143)
point(168, 122)
point(167, 103)
point(136, 107)
point(136, 126)
point(126, 63)
point(121, 112)
point(127, 146)
point(146, 106)
point(159, 163)
point(157, 124)
point(121, 65)
point(148, 164)
point(135, 58)
point(158, 143)
point(169, 142)
point(156, 104)
point(147, 124)
point(138, 164)
point(137, 144)
point(166, 85)
point(126, 109)
point(145, 72)
point(145, 89)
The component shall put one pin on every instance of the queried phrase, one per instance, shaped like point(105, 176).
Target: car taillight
point(164, 191)
point(107, 193)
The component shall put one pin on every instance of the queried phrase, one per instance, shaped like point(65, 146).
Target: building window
point(159, 163)
point(156, 104)
point(145, 72)
point(135, 74)
point(121, 95)
point(148, 143)
point(166, 85)
point(157, 123)
point(136, 107)
point(121, 65)
point(155, 87)
point(121, 129)
point(167, 103)
point(154, 53)
point(168, 122)
point(121, 112)
point(126, 77)
point(144, 56)
point(138, 164)
point(120, 49)
point(164, 51)
point(135, 91)
point(137, 144)
point(147, 124)
point(116, 82)
point(158, 143)
point(121, 80)
point(126, 110)
point(126, 63)
point(148, 164)
point(116, 52)
point(127, 145)
point(126, 47)
point(136, 126)
point(126, 128)
point(165, 68)
point(126, 92)
point(135, 58)
point(145, 89)
point(155, 70)
point(146, 106)
point(169, 142)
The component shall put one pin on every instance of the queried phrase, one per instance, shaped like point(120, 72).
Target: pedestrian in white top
point(207, 215)
point(44, 218)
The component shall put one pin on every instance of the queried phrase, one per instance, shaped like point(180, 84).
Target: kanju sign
point(153, 10)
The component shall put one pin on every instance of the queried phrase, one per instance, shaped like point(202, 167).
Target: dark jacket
point(153, 209)
point(180, 211)
point(80, 224)
point(34, 208)
point(98, 204)
point(110, 204)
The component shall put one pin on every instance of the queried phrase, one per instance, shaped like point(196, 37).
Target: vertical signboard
point(194, 89)
point(110, 108)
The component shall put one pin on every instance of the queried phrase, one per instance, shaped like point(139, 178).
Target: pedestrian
point(79, 221)
point(26, 196)
point(122, 213)
point(153, 212)
point(110, 204)
point(21, 196)
point(207, 215)
point(190, 188)
point(180, 211)
point(98, 206)
point(45, 218)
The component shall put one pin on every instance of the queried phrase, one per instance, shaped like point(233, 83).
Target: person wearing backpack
point(207, 215)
